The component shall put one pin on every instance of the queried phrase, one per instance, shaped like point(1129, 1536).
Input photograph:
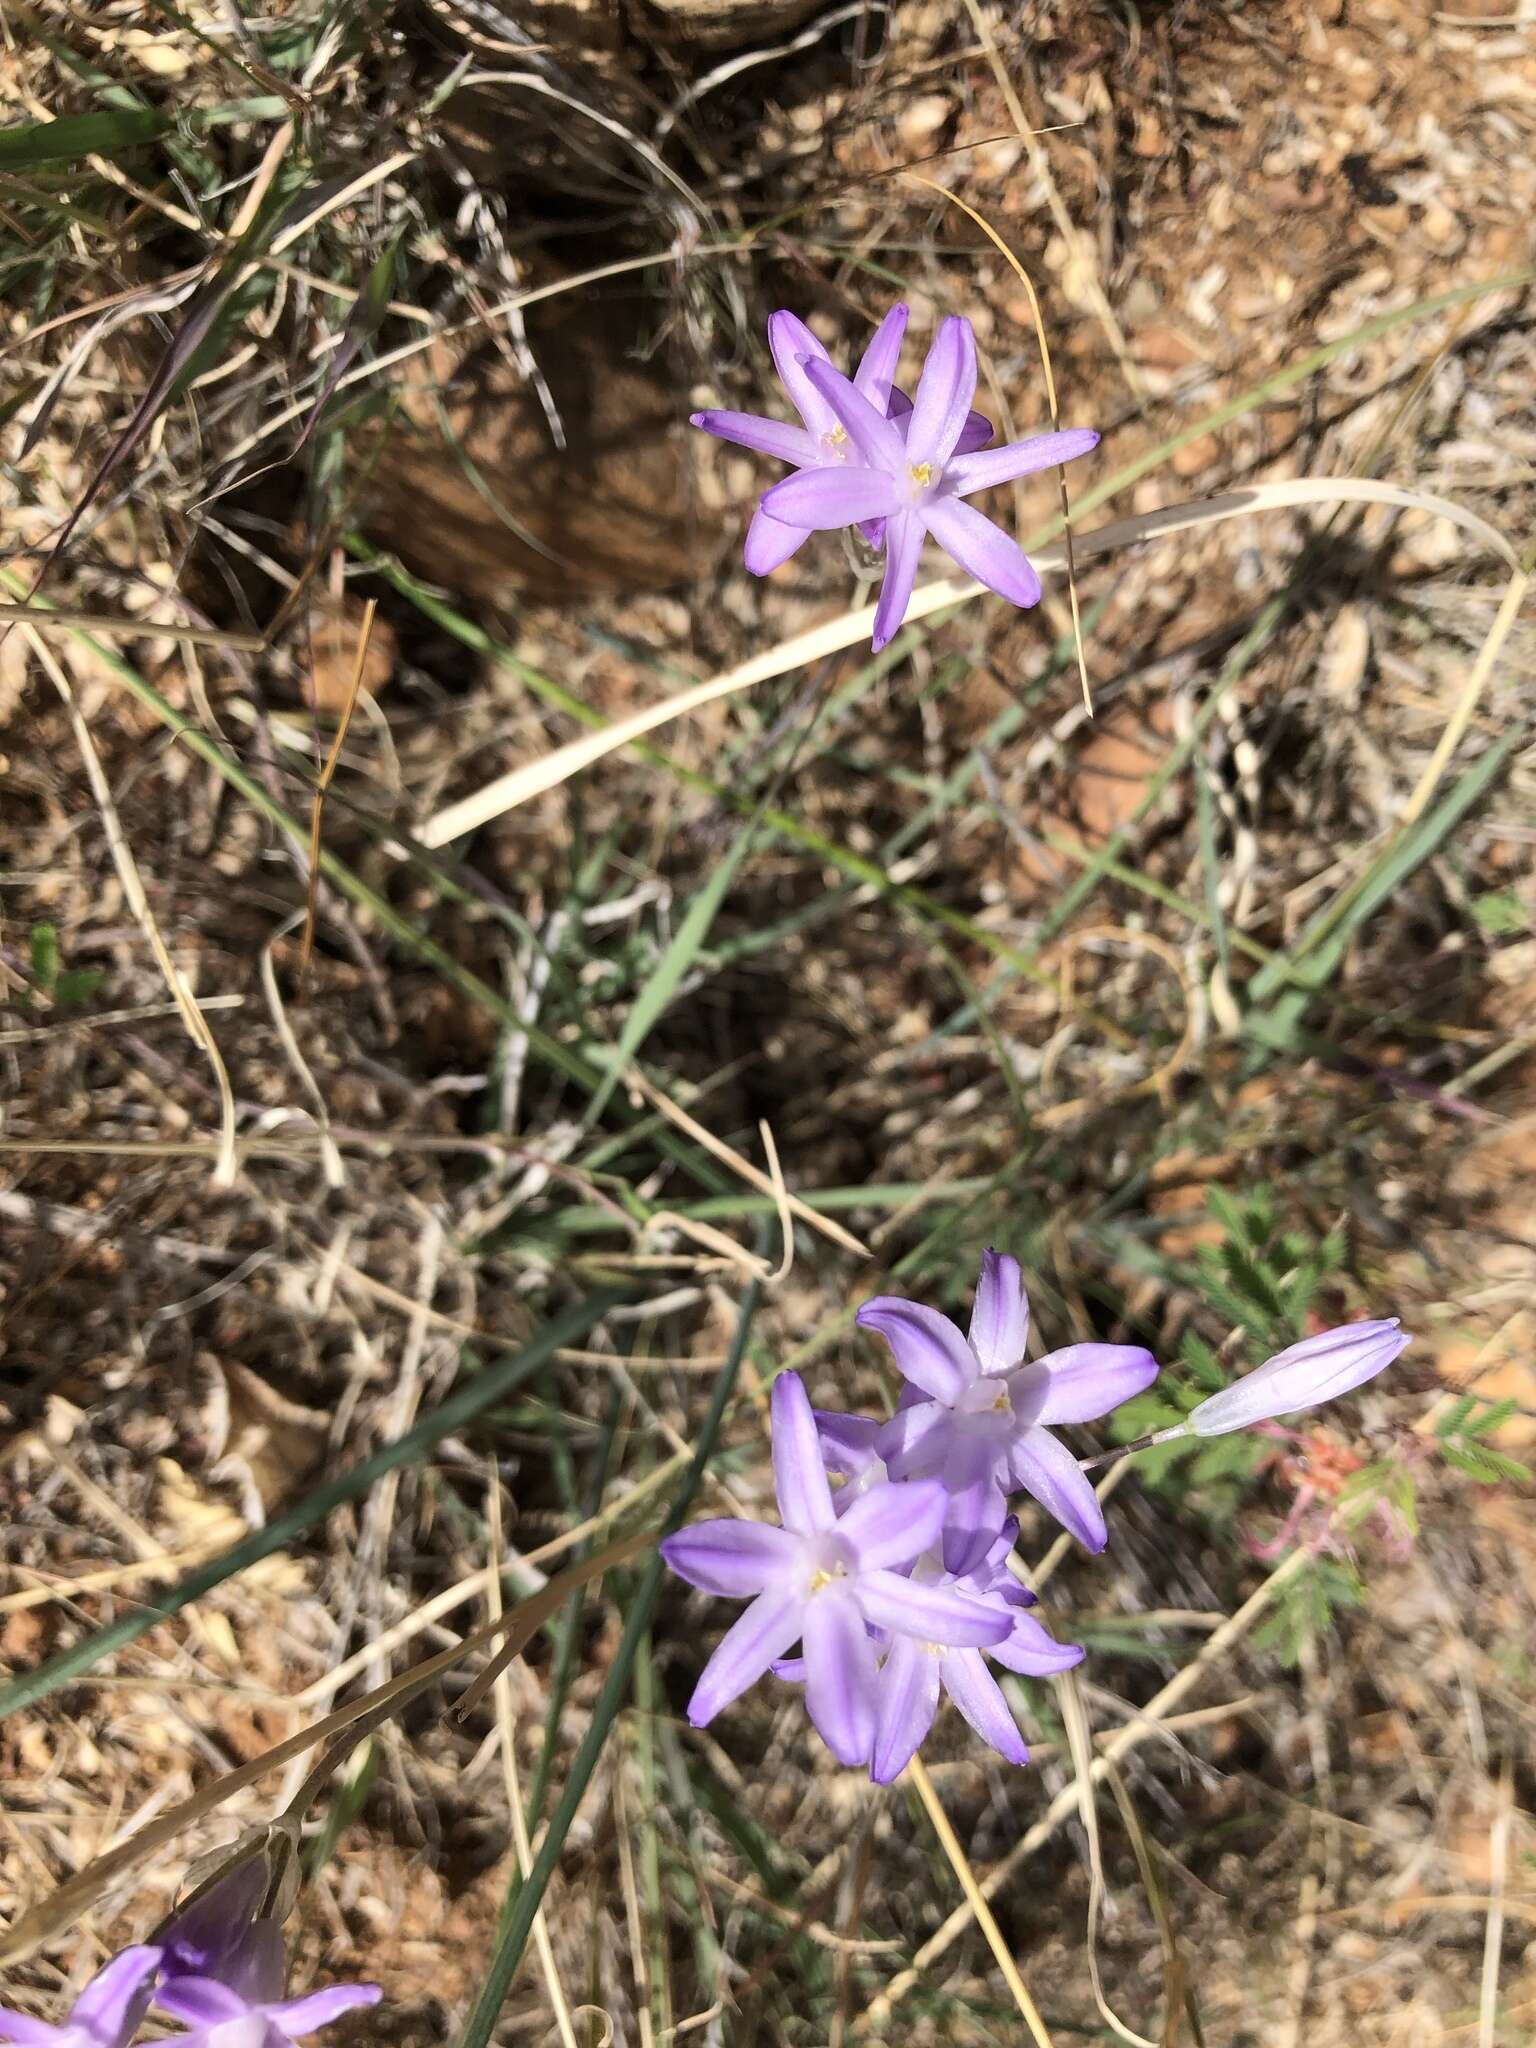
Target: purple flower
point(105, 2015)
point(914, 1672)
point(824, 1581)
point(977, 1417)
point(822, 441)
point(225, 1970)
point(1317, 1369)
point(199, 1937)
point(917, 479)
point(243, 2006)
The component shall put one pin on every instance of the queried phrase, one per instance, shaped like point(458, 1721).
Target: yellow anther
point(921, 473)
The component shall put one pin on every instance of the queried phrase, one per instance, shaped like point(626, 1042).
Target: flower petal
point(769, 1627)
point(877, 367)
point(840, 1675)
point(975, 470)
point(909, 1699)
point(117, 1997)
point(982, 549)
point(915, 1442)
point(257, 1969)
point(27, 2032)
point(824, 499)
point(977, 1509)
point(999, 1314)
point(928, 1349)
point(799, 1475)
point(903, 547)
point(976, 432)
point(1048, 1471)
point(198, 1936)
point(943, 397)
point(893, 1523)
point(935, 1614)
point(1033, 1651)
point(975, 1692)
point(732, 1558)
point(753, 430)
point(878, 441)
point(297, 2017)
point(200, 2001)
point(791, 341)
point(848, 1442)
point(770, 542)
point(1085, 1381)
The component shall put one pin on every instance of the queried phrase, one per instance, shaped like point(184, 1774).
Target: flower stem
point(1141, 1443)
point(960, 1864)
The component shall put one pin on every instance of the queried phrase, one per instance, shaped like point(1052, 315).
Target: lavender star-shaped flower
point(917, 479)
point(976, 1416)
point(821, 441)
point(105, 2015)
point(914, 1673)
point(824, 1581)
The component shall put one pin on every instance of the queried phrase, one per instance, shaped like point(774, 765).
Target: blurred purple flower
point(822, 441)
point(225, 1971)
point(977, 1417)
point(917, 478)
point(105, 2015)
point(823, 1581)
point(199, 1937)
point(244, 2007)
point(1317, 1369)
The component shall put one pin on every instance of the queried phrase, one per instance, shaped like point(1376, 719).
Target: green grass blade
point(466, 1402)
point(1320, 949)
point(73, 137)
point(528, 1893)
point(667, 977)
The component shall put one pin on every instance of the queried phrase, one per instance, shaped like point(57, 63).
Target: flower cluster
point(896, 1584)
point(898, 470)
point(218, 1967)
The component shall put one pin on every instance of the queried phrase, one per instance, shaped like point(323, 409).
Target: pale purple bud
point(1317, 1369)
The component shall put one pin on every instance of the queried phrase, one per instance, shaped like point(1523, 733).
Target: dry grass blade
point(317, 805)
point(198, 1028)
point(1471, 697)
point(1085, 268)
point(60, 618)
point(494, 799)
point(976, 1903)
point(57, 1913)
point(765, 1184)
point(1493, 1936)
point(1074, 1716)
point(1147, 1723)
point(1178, 1993)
